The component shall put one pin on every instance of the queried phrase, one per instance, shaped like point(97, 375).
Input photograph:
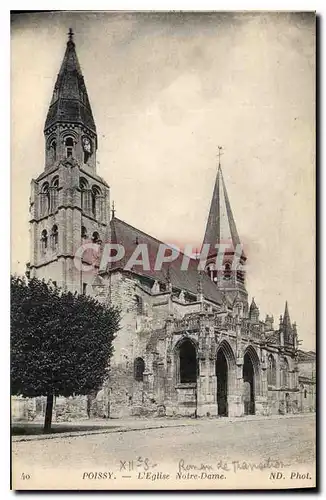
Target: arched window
point(83, 185)
point(96, 202)
point(139, 368)
point(87, 148)
point(212, 273)
point(54, 237)
point(96, 238)
point(284, 372)
point(44, 240)
point(53, 149)
point(187, 362)
point(54, 193)
point(139, 305)
point(305, 393)
point(240, 275)
point(227, 271)
point(271, 370)
point(69, 144)
point(45, 199)
point(83, 232)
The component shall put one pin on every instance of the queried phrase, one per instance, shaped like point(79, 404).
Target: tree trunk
point(48, 413)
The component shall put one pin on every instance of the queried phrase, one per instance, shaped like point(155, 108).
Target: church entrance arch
point(225, 377)
point(251, 380)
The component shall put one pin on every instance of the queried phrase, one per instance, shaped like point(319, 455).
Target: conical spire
point(253, 311)
point(220, 226)
point(70, 103)
point(287, 327)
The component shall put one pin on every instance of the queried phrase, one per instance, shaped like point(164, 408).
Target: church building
point(190, 343)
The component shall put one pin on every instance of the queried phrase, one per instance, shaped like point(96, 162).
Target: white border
point(319, 6)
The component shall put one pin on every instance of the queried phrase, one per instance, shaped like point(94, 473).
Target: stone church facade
point(189, 344)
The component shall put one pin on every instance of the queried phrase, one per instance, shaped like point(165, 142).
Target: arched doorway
point(251, 380)
point(188, 365)
point(225, 378)
point(222, 384)
point(248, 385)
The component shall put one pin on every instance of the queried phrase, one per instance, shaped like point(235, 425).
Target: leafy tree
point(61, 342)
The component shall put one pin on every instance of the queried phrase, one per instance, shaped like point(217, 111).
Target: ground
point(212, 453)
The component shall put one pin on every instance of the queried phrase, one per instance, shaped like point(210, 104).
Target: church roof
point(306, 356)
point(70, 103)
point(273, 337)
point(187, 280)
point(220, 226)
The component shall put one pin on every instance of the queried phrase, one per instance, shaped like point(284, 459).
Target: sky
point(167, 89)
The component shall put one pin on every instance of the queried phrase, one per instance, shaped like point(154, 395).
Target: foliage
point(61, 342)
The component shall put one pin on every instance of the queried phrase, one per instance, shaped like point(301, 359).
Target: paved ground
point(284, 445)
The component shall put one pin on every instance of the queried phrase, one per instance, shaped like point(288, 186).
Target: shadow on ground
point(36, 429)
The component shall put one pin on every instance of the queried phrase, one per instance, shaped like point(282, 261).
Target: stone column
point(170, 391)
point(235, 403)
point(206, 387)
point(261, 400)
point(235, 400)
point(201, 385)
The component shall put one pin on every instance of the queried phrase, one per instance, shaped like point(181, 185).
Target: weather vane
point(70, 35)
point(219, 155)
point(113, 209)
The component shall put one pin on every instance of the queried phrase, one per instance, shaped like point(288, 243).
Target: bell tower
point(226, 260)
point(69, 203)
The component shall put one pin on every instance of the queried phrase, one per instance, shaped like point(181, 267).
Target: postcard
point(163, 250)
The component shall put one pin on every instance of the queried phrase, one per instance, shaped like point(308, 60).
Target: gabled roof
point(70, 103)
point(273, 337)
point(306, 356)
point(187, 280)
point(220, 226)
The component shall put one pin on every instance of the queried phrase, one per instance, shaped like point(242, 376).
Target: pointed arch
point(53, 190)
point(139, 368)
point(53, 150)
point(227, 273)
point(228, 352)
point(69, 144)
point(225, 370)
point(186, 360)
point(54, 237)
point(44, 240)
point(44, 198)
point(254, 358)
point(271, 370)
point(84, 189)
point(284, 372)
point(96, 202)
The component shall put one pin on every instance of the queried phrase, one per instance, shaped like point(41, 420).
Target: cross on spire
point(113, 209)
point(219, 155)
point(70, 35)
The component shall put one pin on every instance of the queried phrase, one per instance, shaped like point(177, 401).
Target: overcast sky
point(166, 90)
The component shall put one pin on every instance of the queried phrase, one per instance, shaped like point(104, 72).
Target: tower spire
point(220, 226)
point(287, 327)
point(70, 103)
